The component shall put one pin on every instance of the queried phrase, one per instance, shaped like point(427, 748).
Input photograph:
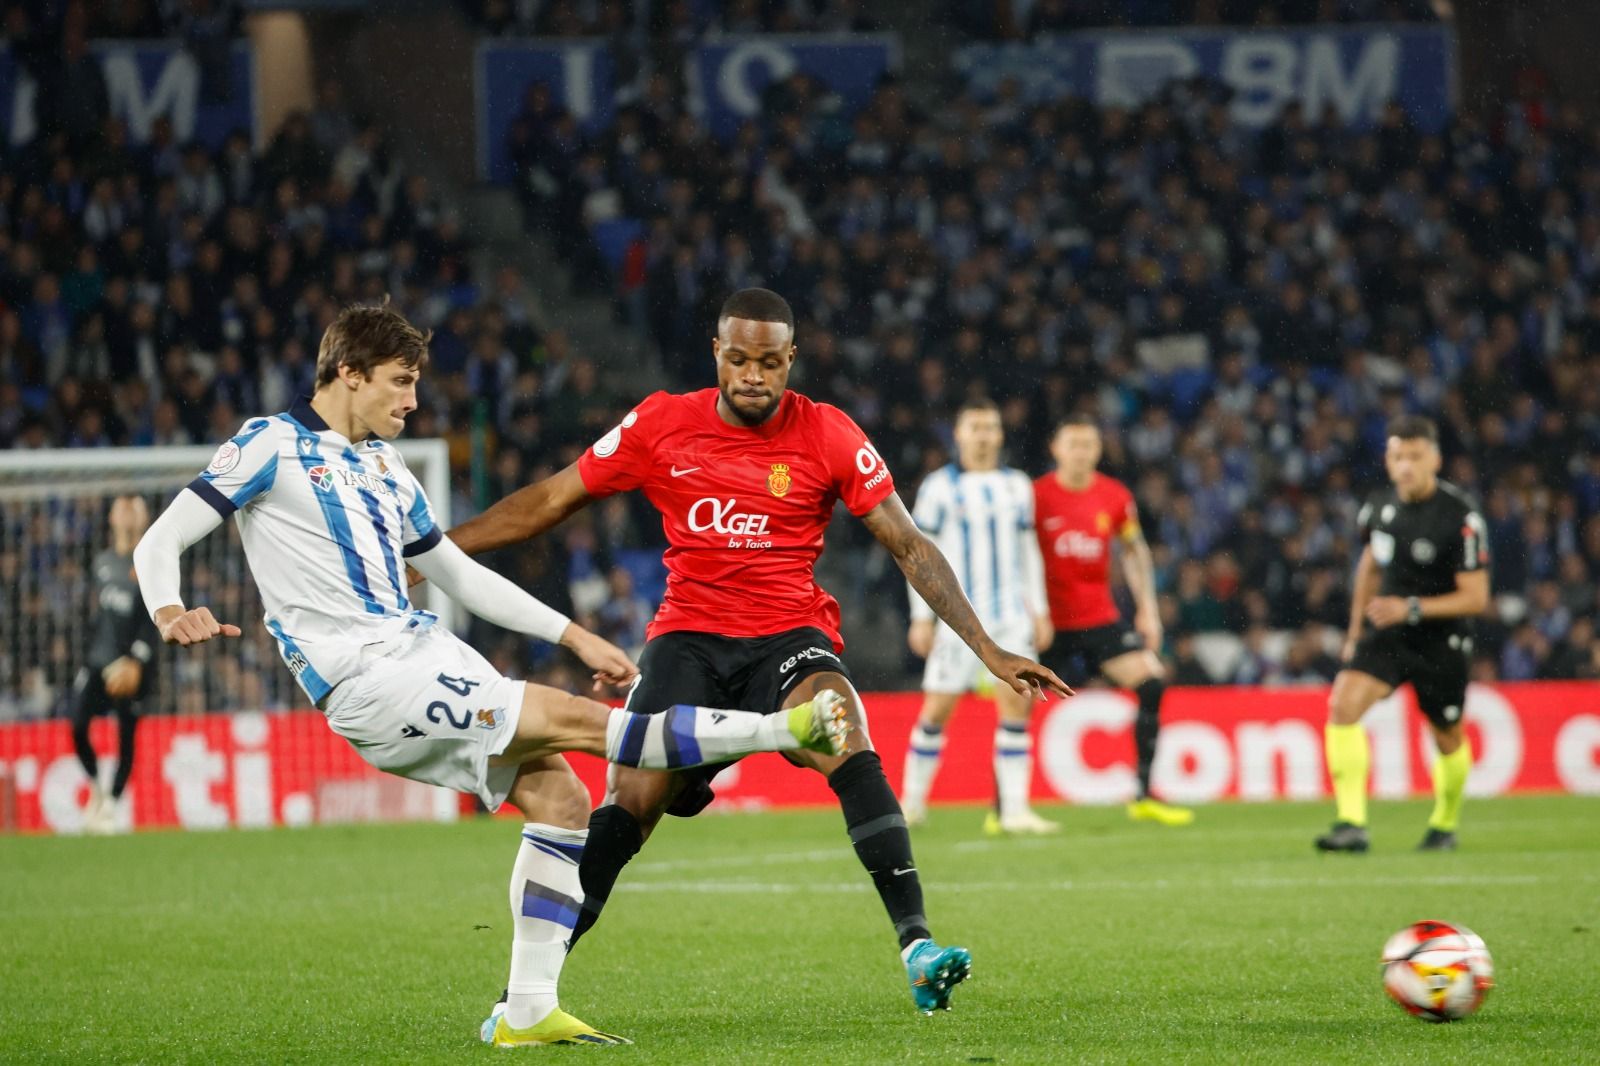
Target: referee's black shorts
point(739, 673)
point(1433, 660)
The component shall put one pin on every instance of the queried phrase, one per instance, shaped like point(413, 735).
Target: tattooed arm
point(929, 573)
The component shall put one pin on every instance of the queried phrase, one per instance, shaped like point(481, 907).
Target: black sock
point(127, 724)
point(614, 839)
point(1146, 727)
point(882, 842)
point(80, 741)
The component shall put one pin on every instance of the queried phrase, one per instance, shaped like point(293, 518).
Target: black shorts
point(739, 673)
point(1077, 654)
point(1434, 662)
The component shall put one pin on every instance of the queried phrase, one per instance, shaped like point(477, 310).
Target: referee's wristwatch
point(1413, 610)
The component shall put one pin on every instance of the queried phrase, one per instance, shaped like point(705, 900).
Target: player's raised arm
point(929, 573)
point(531, 510)
point(496, 599)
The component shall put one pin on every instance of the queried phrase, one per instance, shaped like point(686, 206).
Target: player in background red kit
point(745, 476)
point(1078, 512)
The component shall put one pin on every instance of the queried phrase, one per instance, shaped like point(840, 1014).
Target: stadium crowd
point(1242, 313)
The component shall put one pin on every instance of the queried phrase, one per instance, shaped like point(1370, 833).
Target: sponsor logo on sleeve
point(871, 465)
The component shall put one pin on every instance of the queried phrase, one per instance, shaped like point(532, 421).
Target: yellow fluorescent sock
point(1349, 759)
point(1449, 785)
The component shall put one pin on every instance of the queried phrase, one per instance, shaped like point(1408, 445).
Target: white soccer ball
point(1437, 971)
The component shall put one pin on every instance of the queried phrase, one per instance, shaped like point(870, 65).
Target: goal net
point(53, 522)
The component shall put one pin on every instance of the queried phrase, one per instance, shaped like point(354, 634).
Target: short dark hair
point(1414, 427)
point(1077, 418)
point(976, 403)
point(365, 337)
point(757, 305)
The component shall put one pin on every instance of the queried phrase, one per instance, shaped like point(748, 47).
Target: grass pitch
point(756, 938)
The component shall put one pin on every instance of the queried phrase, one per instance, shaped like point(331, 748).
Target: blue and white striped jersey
point(982, 520)
point(326, 526)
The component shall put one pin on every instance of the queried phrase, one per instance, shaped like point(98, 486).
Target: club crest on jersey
point(321, 477)
point(779, 481)
point(1423, 551)
point(488, 718)
point(1102, 523)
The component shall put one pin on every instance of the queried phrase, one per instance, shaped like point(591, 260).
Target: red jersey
point(1075, 531)
point(743, 508)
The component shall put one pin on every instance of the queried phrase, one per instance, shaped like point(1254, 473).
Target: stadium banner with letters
point(147, 80)
point(290, 769)
point(726, 79)
point(1356, 71)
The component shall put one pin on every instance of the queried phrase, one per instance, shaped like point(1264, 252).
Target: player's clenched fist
point(193, 626)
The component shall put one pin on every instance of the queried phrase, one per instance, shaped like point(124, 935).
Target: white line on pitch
point(1147, 884)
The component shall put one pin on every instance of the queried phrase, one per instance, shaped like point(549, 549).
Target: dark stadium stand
point(1244, 312)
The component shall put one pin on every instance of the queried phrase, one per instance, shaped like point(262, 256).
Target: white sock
point(1013, 766)
point(922, 764)
point(683, 735)
point(546, 897)
point(905, 952)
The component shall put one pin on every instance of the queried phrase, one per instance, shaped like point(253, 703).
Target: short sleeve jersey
point(743, 508)
point(1420, 546)
point(1075, 533)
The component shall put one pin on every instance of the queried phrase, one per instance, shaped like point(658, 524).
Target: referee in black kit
point(120, 668)
point(1423, 576)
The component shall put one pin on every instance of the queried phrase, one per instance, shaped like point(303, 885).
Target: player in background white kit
point(980, 514)
point(329, 517)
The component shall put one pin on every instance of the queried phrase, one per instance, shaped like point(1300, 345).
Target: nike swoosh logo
point(907, 870)
point(687, 470)
point(1054, 523)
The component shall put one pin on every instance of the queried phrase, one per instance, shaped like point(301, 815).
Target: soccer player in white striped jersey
point(980, 514)
point(330, 517)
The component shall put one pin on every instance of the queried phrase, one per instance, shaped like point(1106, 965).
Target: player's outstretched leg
point(680, 737)
point(545, 898)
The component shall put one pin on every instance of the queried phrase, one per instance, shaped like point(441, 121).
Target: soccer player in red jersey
point(1078, 512)
point(745, 476)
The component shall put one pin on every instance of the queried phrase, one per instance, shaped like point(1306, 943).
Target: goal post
point(53, 522)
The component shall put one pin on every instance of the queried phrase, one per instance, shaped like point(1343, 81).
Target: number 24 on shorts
point(461, 686)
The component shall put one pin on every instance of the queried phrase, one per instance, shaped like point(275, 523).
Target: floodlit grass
point(757, 938)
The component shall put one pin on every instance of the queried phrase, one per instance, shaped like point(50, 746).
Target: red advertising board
point(259, 769)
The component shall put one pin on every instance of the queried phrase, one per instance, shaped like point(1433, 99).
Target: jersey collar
point(303, 413)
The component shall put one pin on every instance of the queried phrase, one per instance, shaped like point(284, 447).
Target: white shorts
point(429, 708)
point(954, 667)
